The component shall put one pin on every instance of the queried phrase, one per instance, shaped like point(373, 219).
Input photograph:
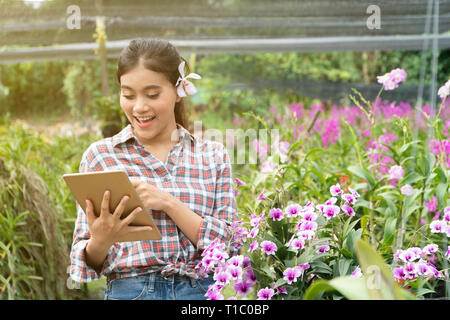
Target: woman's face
point(148, 100)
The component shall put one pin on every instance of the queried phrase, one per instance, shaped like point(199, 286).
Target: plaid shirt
point(197, 172)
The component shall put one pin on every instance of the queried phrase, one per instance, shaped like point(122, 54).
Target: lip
point(144, 125)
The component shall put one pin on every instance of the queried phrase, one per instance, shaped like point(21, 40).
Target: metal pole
point(434, 63)
point(423, 61)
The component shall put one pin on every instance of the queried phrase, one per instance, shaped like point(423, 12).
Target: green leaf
point(320, 255)
point(348, 226)
point(8, 287)
point(350, 287)
point(394, 152)
point(343, 265)
point(363, 173)
point(35, 244)
point(441, 175)
point(389, 231)
point(430, 178)
point(350, 241)
point(441, 192)
point(388, 195)
point(320, 267)
point(317, 171)
point(313, 151)
point(406, 146)
point(409, 206)
point(380, 283)
point(424, 291)
point(280, 282)
point(404, 160)
point(363, 203)
point(388, 187)
point(294, 146)
point(411, 178)
point(291, 166)
point(289, 263)
point(392, 207)
point(35, 277)
point(347, 253)
point(410, 210)
point(270, 273)
point(428, 163)
point(305, 257)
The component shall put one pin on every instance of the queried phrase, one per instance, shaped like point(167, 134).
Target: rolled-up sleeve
point(224, 212)
point(79, 270)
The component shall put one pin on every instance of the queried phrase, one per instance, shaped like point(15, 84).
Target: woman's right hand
point(107, 228)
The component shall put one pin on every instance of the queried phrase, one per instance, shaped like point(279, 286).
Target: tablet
point(92, 186)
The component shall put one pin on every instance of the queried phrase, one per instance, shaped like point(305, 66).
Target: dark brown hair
point(157, 55)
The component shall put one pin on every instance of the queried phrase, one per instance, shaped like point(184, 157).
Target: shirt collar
point(127, 134)
point(185, 134)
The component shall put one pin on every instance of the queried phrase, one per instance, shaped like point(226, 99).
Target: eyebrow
point(152, 86)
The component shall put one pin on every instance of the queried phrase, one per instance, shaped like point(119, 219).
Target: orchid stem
point(375, 105)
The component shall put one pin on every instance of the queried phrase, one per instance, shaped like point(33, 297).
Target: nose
point(141, 105)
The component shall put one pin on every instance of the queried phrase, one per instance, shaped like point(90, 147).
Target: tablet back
point(92, 186)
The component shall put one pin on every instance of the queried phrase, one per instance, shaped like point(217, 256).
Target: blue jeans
point(155, 287)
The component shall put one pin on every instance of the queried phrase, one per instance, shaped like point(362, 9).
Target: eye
point(127, 97)
point(153, 95)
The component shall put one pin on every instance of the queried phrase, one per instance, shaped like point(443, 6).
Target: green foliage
point(375, 284)
point(359, 157)
point(32, 88)
point(37, 213)
point(44, 88)
point(223, 93)
point(385, 217)
point(82, 86)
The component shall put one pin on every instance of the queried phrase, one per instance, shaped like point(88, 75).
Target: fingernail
point(139, 209)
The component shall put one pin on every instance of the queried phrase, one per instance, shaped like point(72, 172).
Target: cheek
point(127, 107)
point(125, 104)
point(164, 106)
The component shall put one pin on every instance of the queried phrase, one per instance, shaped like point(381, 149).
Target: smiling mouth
point(144, 119)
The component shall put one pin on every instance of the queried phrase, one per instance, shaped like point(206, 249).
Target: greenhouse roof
point(45, 30)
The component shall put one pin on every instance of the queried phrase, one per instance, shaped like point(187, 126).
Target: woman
point(184, 182)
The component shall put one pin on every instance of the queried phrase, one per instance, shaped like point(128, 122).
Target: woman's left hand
point(151, 196)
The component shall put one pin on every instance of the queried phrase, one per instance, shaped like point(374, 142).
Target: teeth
point(145, 119)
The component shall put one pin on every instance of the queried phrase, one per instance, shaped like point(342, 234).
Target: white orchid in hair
point(184, 86)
